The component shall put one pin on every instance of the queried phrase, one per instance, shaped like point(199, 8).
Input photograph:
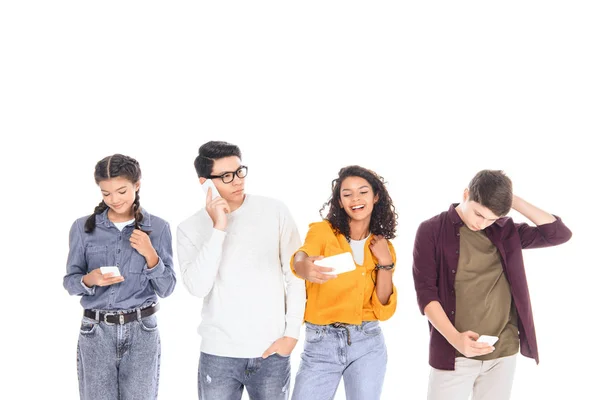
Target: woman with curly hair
point(343, 337)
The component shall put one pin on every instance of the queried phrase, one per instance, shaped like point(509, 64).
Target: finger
point(324, 277)
point(323, 269)
point(112, 281)
point(272, 349)
point(479, 345)
point(208, 195)
point(481, 352)
point(472, 335)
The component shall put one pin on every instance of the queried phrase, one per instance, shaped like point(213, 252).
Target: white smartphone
point(112, 268)
point(488, 339)
point(340, 263)
point(209, 184)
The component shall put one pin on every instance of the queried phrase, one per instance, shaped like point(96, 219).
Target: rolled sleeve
point(545, 235)
point(425, 267)
point(385, 312)
point(162, 275)
point(314, 243)
point(87, 290)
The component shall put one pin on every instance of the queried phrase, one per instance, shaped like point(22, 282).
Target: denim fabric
point(106, 245)
point(355, 352)
point(118, 362)
point(224, 378)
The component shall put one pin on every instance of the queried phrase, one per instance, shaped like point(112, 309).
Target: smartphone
point(209, 184)
point(488, 339)
point(112, 268)
point(340, 263)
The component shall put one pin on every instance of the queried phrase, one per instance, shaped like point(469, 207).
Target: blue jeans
point(118, 361)
point(224, 378)
point(355, 352)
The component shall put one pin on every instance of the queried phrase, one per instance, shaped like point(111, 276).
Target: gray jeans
point(224, 378)
point(355, 352)
point(118, 362)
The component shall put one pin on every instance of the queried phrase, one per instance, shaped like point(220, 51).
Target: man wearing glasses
point(235, 253)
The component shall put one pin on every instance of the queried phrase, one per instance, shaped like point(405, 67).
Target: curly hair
point(383, 219)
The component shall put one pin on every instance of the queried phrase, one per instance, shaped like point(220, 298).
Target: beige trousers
point(485, 380)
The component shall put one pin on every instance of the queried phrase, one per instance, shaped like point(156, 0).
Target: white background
point(426, 94)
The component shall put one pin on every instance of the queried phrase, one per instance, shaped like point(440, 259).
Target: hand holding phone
point(490, 340)
point(340, 263)
point(112, 268)
point(210, 184)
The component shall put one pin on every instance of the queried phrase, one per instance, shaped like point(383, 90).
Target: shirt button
point(458, 234)
point(363, 274)
point(118, 251)
point(453, 271)
point(452, 312)
point(456, 251)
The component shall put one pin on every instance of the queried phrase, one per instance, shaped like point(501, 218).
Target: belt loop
point(97, 316)
point(139, 314)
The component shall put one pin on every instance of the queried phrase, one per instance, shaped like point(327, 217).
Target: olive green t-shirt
point(483, 299)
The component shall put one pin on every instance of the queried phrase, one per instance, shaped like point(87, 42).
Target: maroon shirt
point(435, 256)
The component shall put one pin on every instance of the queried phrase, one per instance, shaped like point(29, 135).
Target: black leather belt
point(119, 317)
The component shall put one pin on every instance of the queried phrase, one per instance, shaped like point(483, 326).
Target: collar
point(102, 219)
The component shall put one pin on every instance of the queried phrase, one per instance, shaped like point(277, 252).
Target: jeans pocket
point(314, 335)
point(149, 324)
point(88, 326)
point(282, 355)
point(372, 328)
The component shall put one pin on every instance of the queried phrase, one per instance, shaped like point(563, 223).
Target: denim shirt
point(105, 246)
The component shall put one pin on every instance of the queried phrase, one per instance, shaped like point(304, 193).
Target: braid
point(90, 224)
point(137, 213)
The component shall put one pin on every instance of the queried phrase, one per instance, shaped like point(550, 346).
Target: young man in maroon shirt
point(470, 281)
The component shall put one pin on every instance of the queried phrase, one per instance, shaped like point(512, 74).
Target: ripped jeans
point(224, 378)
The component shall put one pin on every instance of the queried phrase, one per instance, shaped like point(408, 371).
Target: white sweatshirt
point(251, 297)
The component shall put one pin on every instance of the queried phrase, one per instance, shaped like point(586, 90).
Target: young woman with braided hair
point(118, 352)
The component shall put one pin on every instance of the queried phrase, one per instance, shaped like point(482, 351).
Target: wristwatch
point(386, 267)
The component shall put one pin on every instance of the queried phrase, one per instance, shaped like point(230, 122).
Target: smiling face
point(357, 198)
point(119, 195)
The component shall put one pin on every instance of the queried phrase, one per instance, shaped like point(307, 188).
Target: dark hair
point(383, 219)
point(211, 151)
point(115, 166)
point(492, 189)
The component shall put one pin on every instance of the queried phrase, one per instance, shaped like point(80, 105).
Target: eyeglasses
point(227, 177)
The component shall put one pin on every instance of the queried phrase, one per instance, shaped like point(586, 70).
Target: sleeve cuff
point(86, 290)
point(292, 328)
point(385, 312)
point(158, 269)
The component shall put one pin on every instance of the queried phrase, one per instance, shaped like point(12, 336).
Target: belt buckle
point(107, 315)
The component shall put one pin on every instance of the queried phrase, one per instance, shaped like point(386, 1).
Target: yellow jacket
point(350, 298)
